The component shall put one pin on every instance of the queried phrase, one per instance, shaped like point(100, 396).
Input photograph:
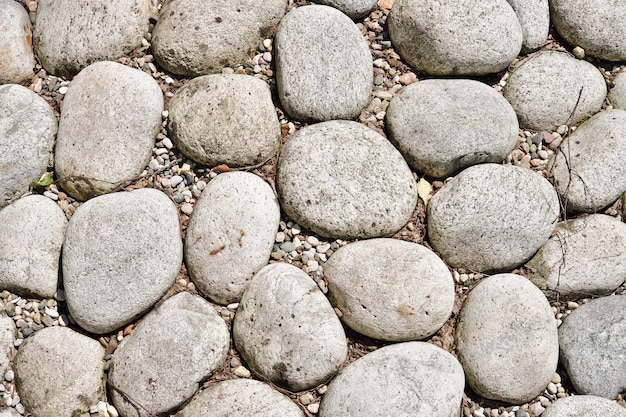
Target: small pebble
point(186, 209)
point(242, 372)
point(306, 398)
point(578, 52)
point(313, 408)
point(9, 375)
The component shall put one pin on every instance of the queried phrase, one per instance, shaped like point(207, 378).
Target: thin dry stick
point(132, 401)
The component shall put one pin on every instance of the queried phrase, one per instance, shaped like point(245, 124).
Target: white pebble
point(267, 43)
point(9, 375)
point(52, 313)
point(306, 399)
point(242, 372)
point(175, 180)
point(552, 388)
point(313, 408)
point(267, 57)
point(112, 410)
point(280, 237)
point(232, 306)
point(313, 240)
point(167, 142)
point(187, 209)
point(201, 185)
point(63, 90)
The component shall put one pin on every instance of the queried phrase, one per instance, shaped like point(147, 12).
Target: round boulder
point(584, 405)
point(534, 16)
point(546, 88)
point(589, 170)
point(287, 331)
point(323, 65)
point(355, 9)
point(507, 339)
point(17, 59)
point(120, 108)
point(122, 252)
point(209, 115)
point(390, 289)
point(356, 184)
point(456, 38)
point(492, 218)
point(443, 126)
point(405, 379)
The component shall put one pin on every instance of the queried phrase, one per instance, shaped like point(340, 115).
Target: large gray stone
point(589, 171)
point(456, 38)
point(544, 90)
point(356, 184)
point(617, 94)
point(31, 235)
point(27, 129)
point(208, 115)
point(109, 120)
point(402, 380)
point(69, 36)
point(390, 289)
point(241, 398)
point(595, 25)
point(195, 38)
point(492, 218)
point(170, 353)
point(534, 16)
point(356, 9)
point(17, 59)
point(593, 342)
point(507, 339)
point(287, 331)
point(584, 257)
point(68, 364)
point(443, 126)
point(7, 337)
point(584, 405)
point(231, 234)
point(323, 65)
point(122, 252)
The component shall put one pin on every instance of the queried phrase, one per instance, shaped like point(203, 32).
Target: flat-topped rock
point(122, 252)
point(356, 9)
point(584, 405)
point(17, 59)
point(323, 65)
point(31, 235)
point(534, 16)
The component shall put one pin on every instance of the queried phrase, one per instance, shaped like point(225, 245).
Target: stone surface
point(617, 94)
point(492, 218)
point(317, 82)
point(593, 341)
point(534, 16)
point(443, 126)
point(27, 129)
point(17, 59)
point(9, 412)
point(390, 289)
point(31, 234)
point(405, 379)
point(584, 405)
point(356, 9)
point(544, 90)
point(192, 38)
point(68, 38)
point(208, 115)
point(68, 364)
point(122, 252)
point(586, 256)
point(357, 185)
point(241, 398)
point(7, 337)
point(507, 339)
point(173, 349)
point(595, 25)
point(594, 154)
point(230, 234)
point(121, 109)
point(455, 38)
point(287, 331)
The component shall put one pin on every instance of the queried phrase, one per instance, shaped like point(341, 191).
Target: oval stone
point(507, 339)
point(356, 9)
point(356, 186)
point(584, 405)
point(390, 289)
point(17, 59)
point(534, 16)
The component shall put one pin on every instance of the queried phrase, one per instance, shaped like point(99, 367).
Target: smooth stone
point(195, 38)
point(287, 331)
point(208, 115)
point(584, 257)
point(68, 38)
point(617, 94)
point(241, 398)
point(121, 109)
point(122, 252)
point(455, 38)
point(390, 289)
point(27, 129)
point(355, 9)
point(544, 90)
point(492, 218)
point(507, 339)
point(68, 364)
point(9, 412)
point(593, 341)
point(595, 155)
point(7, 338)
point(584, 405)
point(443, 126)
point(534, 16)
point(404, 379)
point(31, 235)
point(234, 222)
point(17, 59)
point(357, 185)
point(323, 65)
point(163, 362)
point(595, 25)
